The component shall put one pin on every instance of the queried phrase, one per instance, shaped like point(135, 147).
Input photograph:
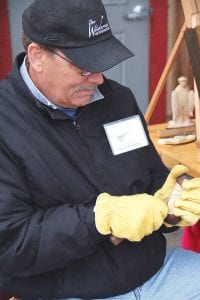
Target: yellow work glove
point(166, 190)
point(188, 205)
point(130, 217)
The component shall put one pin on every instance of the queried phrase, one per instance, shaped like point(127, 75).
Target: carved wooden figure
point(182, 102)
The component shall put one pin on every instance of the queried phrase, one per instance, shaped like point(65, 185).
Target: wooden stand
point(191, 10)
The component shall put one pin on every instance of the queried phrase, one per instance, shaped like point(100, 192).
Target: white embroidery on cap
point(95, 29)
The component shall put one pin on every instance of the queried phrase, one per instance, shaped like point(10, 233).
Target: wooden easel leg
point(163, 78)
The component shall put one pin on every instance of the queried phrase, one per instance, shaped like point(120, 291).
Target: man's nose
point(96, 78)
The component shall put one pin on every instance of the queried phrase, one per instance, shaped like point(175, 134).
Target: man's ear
point(36, 56)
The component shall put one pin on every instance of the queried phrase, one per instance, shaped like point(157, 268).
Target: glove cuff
point(103, 213)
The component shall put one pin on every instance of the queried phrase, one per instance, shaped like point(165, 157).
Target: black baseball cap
point(79, 28)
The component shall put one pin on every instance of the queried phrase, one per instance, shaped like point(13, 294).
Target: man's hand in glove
point(130, 217)
point(188, 205)
point(166, 190)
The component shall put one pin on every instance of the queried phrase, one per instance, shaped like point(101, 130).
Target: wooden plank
point(193, 47)
point(163, 78)
point(189, 9)
point(198, 5)
point(197, 117)
point(195, 24)
point(198, 33)
point(171, 132)
point(195, 20)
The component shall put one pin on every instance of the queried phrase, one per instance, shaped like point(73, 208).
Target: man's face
point(59, 80)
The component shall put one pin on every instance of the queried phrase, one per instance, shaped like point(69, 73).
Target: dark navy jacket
point(51, 171)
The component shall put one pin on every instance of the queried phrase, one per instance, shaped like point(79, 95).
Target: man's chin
point(82, 101)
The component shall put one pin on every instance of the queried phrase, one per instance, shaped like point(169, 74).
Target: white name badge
point(126, 134)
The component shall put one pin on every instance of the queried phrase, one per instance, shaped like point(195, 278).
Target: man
point(83, 190)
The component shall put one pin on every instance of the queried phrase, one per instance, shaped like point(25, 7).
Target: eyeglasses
point(83, 72)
